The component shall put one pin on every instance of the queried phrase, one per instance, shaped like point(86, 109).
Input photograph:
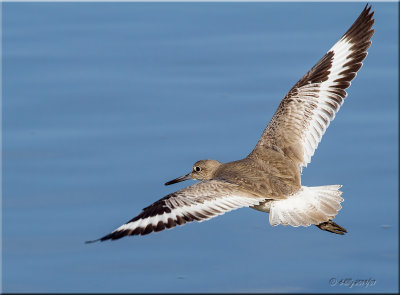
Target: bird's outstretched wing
point(197, 202)
point(306, 111)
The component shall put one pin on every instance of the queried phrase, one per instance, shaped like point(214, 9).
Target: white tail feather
point(310, 205)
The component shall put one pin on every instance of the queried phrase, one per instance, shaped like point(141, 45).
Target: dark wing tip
point(149, 228)
point(107, 237)
point(361, 30)
point(92, 241)
point(157, 208)
point(112, 236)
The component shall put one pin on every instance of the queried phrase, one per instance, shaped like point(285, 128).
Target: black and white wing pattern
point(306, 111)
point(198, 202)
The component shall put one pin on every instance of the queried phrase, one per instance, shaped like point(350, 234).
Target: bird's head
point(202, 170)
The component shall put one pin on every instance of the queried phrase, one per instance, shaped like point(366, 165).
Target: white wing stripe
point(206, 210)
point(328, 103)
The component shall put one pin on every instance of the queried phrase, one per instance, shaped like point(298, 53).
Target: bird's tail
point(310, 205)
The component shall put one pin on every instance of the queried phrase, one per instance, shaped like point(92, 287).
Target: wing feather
point(198, 202)
point(305, 112)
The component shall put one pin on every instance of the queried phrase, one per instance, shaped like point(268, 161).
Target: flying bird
point(269, 178)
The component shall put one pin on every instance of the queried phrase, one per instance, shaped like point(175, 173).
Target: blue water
point(104, 102)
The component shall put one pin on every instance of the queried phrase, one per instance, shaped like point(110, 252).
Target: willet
point(268, 179)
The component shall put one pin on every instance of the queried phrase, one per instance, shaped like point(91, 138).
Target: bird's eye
point(197, 169)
